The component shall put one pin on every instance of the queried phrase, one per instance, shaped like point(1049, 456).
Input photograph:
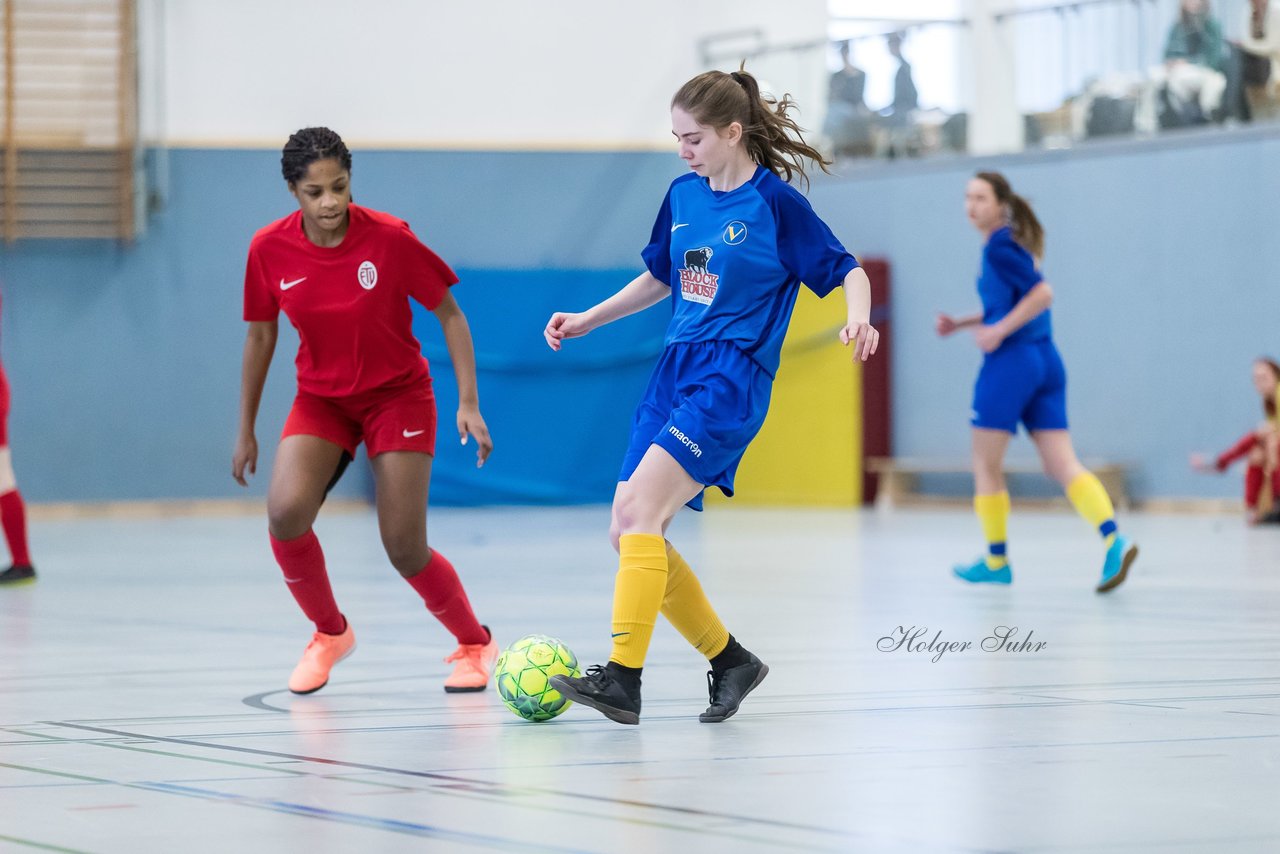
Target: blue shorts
point(1021, 382)
point(705, 403)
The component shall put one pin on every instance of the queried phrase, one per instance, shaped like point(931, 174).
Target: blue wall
point(125, 361)
point(1165, 262)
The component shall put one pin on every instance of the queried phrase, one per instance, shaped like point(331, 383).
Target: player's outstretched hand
point(471, 423)
point(864, 338)
point(945, 324)
point(1201, 464)
point(564, 325)
point(245, 456)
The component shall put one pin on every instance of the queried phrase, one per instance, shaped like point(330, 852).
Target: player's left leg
point(653, 493)
point(13, 517)
point(1091, 501)
point(402, 480)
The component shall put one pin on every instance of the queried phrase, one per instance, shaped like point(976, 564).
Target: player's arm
point(462, 352)
point(1033, 303)
point(858, 330)
point(643, 291)
point(945, 324)
point(259, 346)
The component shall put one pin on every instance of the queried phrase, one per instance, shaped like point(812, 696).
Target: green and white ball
point(523, 673)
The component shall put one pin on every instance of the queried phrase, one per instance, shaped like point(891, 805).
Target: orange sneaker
point(324, 651)
point(474, 664)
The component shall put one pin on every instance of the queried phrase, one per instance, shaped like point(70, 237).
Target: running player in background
point(13, 513)
point(1022, 379)
point(732, 243)
point(343, 275)
point(1261, 447)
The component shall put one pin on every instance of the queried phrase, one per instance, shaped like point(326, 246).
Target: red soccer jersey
point(350, 302)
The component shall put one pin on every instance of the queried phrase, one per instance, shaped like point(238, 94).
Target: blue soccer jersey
point(735, 261)
point(1008, 272)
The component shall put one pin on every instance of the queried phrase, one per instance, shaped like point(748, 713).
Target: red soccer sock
point(439, 586)
point(1252, 486)
point(13, 515)
point(302, 562)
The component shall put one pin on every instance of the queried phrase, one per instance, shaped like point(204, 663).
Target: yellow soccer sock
point(1092, 502)
point(686, 607)
point(993, 515)
point(637, 596)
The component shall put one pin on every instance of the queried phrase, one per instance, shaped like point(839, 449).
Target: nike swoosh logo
point(409, 434)
point(289, 580)
point(619, 634)
point(679, 225)
point(284, 286)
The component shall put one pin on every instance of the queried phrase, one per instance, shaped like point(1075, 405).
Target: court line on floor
point(497, 788)
point(31, 843)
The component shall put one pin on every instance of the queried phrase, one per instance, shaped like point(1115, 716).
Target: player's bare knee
point(407, 553)
point(288, 520)
point(8, 483)
point(1257, 456)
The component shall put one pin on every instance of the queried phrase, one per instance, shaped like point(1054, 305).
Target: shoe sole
point(617, 715)
point(710, 719)
point(21, 582)
point(325, 682)
point(1115, 581)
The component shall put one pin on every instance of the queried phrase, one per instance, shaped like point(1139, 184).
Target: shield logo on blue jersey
point(734, 233)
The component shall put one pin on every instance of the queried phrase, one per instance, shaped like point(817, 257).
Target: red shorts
point(401, 419)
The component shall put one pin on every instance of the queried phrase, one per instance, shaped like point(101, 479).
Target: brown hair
point(773, 139)
point(1269, 401)
point(1027, 229)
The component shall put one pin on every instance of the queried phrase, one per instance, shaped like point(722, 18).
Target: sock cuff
point(993, 501)
point(643, 545)
point(295, 546)
point(1082, 482)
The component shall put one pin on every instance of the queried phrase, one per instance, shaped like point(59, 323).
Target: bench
point(899, 477)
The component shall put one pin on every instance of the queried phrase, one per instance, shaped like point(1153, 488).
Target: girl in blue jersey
point(732, 243)
point(1022, 379)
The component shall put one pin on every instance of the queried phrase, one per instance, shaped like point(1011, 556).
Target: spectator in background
point(1260, 446)
point(1260, 55)
point(848, 123)
point(1191, 83)
point(901, 138)
point(848, 84)
point(905, 97)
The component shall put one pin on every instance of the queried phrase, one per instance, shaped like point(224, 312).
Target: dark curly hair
point(309, 145)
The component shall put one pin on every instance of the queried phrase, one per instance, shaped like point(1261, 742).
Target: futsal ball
point(523, 675)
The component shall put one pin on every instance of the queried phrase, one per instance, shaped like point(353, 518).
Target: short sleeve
point(806, 246)
point(657, 255)
point(1013, 264)
point(261, 303)
point(429, 277)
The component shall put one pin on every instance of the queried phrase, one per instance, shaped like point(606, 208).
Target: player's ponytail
point(1026, 226)
point(772, 137)
point(309, 145)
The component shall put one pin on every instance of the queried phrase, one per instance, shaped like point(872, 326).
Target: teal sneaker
point(978, 573)
point(1115, 569)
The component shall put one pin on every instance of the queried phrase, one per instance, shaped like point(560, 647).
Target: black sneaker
point(17, 574)
point(599, 690)
point(730, 688)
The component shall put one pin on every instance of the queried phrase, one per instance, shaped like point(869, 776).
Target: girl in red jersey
point(343, 275)
point(13, 513)
point(1260, 447)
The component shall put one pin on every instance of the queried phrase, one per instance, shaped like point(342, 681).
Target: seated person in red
point(1260, 446)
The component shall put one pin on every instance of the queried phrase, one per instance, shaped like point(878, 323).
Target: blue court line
point(40, 845)
point(497, 789)
point(357, 819)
